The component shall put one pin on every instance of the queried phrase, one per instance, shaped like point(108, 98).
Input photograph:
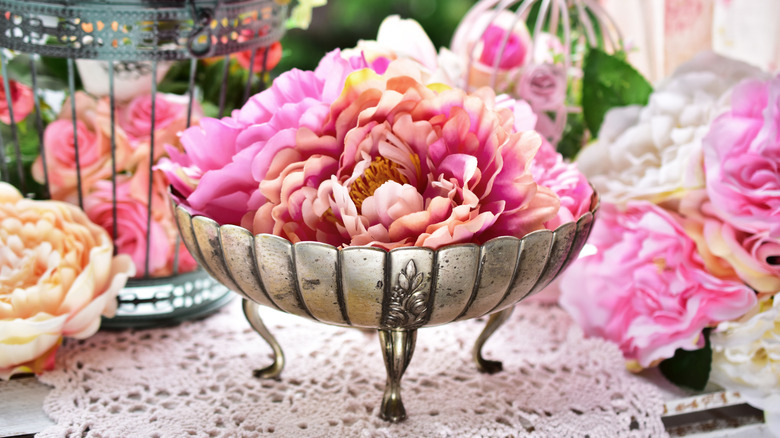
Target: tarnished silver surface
point(403, 289)
point(495, 321)
point(395, 292)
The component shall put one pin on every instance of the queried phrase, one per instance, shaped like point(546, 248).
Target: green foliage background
point(341, 23)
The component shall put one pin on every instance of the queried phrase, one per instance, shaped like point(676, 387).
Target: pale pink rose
point(647, 288)
point(131, 219)
point(754, 258)
point(571, 186)
point(548, 48)
point(88, 109)
point(543, 86)
point(170, 117)
point(215, 177)
point(400, 164)
point(742, 159)
point(57, 276)
point(135, 121)
point(21, 101)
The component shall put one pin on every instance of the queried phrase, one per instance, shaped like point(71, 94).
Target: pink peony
point(216, 175)
point(401, 164)
point(742, 159)
point(727, 250)
point(566, 181)
point(21, 101)
point(647, 288)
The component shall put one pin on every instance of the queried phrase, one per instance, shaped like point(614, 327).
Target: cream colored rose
point(655, 152)
point(58, 275)
point(746, 358)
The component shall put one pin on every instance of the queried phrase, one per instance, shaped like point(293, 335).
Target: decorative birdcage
point(115, 48)
point(558, 32)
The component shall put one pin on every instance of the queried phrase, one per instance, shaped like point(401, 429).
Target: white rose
point(654, 152)
point(398, 38)
point(746, 358)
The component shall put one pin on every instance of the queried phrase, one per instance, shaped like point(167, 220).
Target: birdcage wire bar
point(554, 17)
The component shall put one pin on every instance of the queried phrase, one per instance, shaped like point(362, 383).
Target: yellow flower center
point(379, 172)
point(660, 263)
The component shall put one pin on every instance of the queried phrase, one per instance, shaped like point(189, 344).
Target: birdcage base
point(166, 301)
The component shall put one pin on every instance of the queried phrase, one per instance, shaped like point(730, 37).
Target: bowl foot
point(495, 321)
point(275, 369)
point(397, 350)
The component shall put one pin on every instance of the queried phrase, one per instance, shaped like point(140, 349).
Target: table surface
point(712, 413)
point(708, 415)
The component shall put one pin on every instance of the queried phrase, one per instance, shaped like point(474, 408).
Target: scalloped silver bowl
point(395, 292)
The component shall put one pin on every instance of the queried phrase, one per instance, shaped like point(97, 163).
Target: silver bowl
point(395, 292)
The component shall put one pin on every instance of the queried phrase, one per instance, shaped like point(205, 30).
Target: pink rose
point(515, 50)
point(742, 159)
point(647, 288)
point(479, 38)
point(565, 180)
point(136, 117)
point(93, 134)
point(216, 174)
point(170, 118)
point(131, 219)
point(21, 100)
point(266, 58)
point(399, 164)
point(543, 86)
point(59, 140)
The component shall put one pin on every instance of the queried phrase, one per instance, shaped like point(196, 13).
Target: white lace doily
point(196, 380)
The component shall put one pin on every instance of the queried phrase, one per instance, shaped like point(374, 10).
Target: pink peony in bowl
point(377, 201)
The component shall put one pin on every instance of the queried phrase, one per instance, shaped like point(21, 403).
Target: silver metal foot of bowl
point(275, 369)
point(496, 320)
point(397, 350)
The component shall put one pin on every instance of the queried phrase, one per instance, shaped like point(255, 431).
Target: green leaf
point(29, 149)
point(690, 369)
point(609, 82)
point(573, 136)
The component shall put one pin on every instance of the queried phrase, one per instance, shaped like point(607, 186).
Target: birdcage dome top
point(132, 30)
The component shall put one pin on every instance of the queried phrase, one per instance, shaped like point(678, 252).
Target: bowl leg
point(496, 320)
point(272, 371)
point(397, 350)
